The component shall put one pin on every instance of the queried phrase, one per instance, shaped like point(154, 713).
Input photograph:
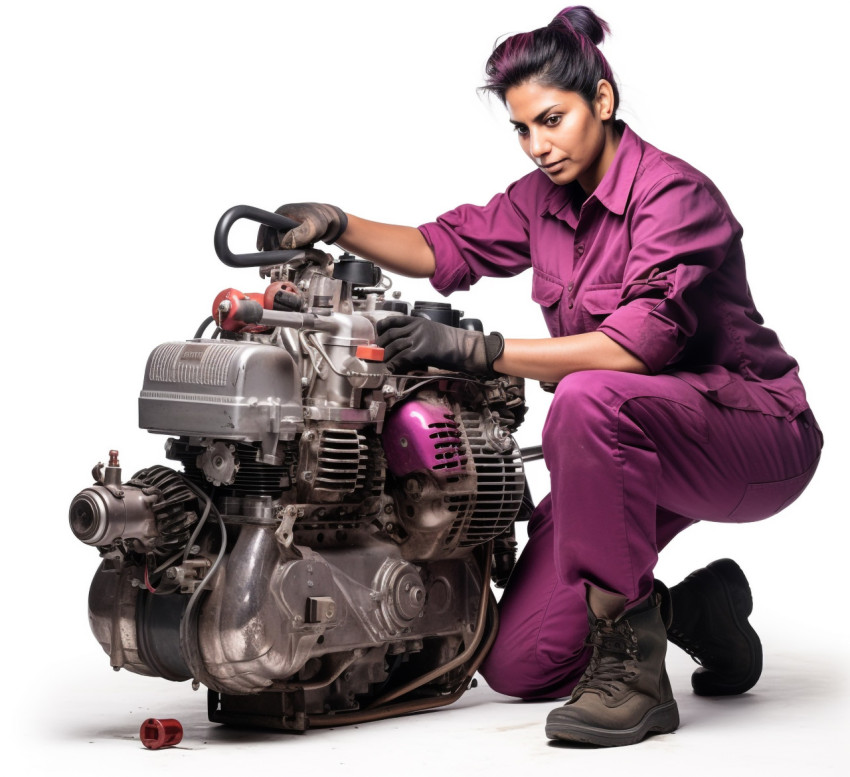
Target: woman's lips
point(553, 164)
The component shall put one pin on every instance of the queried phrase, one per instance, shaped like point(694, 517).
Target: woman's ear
point(603, 103)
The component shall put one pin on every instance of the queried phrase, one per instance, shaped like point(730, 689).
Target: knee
point(532, 675)
point(502, 674)
point(505, 675)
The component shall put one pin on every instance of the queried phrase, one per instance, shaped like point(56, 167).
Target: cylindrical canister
point(160, 732)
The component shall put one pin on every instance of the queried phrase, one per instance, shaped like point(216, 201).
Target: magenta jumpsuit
point(719, 430)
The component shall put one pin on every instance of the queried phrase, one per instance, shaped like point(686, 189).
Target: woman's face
point(564, 136)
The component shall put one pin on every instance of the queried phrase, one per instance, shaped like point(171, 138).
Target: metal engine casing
point(322, 555)
point(242, 391)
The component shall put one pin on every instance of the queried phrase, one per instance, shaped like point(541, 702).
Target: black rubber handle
point(249, 311)
point(261, 258)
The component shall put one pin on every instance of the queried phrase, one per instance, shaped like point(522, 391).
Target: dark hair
point(563, 54)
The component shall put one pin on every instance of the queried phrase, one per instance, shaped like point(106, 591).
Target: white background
point(127, 129)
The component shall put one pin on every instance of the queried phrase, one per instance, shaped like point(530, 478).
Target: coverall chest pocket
point(598, 302)
point(547, 292)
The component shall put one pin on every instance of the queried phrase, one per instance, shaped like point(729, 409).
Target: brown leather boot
point(625, 693)
point(710, 611)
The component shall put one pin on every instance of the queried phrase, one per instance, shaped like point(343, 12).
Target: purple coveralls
point(719, 430)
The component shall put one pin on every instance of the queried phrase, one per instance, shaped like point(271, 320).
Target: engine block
point(320, 552)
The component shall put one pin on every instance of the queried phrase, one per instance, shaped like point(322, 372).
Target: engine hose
point(200, 525)
point(203, 327)
point(355, 656)
point(415, 705)
point(193, 659)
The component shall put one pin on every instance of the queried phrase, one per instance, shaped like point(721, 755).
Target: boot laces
point(615, 651)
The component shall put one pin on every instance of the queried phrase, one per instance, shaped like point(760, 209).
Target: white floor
point(794, 721)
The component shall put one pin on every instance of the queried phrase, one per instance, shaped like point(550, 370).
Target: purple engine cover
point(423, 436)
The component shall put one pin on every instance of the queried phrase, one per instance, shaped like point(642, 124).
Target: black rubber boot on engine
point(710, 611)
point(625, 693)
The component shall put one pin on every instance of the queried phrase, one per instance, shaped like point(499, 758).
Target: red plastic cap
point(156, 733)
point(370, 353)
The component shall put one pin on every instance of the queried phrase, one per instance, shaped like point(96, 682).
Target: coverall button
point(580, 249)
point(570, 286)
point(570, 304)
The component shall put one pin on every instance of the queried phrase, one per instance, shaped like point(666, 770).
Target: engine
point(320, 550)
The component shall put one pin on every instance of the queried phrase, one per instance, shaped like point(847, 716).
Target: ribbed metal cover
point(206, 365)
point(205, 388)
point(501, 484)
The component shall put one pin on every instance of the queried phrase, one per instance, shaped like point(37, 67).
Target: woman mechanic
point(674, 404)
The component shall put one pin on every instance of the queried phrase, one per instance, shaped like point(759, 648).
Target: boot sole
point(659, 720)
point(739, 598)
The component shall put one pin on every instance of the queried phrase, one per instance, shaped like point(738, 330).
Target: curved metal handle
point(261, 258)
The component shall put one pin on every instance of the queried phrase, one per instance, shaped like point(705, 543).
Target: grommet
point(156, 733)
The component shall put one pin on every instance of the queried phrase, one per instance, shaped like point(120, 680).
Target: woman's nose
point(539, 144)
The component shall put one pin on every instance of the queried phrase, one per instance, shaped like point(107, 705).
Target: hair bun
point(581, 20)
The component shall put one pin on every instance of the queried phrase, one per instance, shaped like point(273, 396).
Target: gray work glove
point(318, 222)
point(410, 342)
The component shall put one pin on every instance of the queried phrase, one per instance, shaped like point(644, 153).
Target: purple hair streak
point(563, 54)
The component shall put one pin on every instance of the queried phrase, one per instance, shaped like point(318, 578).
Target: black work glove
point(318, 222)
point(411, 342)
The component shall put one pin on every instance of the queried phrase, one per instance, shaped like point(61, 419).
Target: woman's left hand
point(411, 342)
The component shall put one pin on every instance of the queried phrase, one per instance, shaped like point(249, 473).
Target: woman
point(674, 404)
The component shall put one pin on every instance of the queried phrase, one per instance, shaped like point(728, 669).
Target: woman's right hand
point(317, 222)
point(393, 247)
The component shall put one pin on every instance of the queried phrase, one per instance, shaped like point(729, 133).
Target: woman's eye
point(520, 129)
point(553, 121)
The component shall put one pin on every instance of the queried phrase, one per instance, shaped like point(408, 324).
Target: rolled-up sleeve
point(681, 232)
point(473, 241)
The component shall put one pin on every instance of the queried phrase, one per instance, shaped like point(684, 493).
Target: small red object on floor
point(156, 733)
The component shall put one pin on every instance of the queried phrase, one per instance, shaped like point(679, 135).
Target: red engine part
point(230, 321)
point(156, 733)
point(274, 288)
point(370, 353)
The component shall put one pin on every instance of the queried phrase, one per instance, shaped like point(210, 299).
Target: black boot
point(624, 693)
point(710, 610)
